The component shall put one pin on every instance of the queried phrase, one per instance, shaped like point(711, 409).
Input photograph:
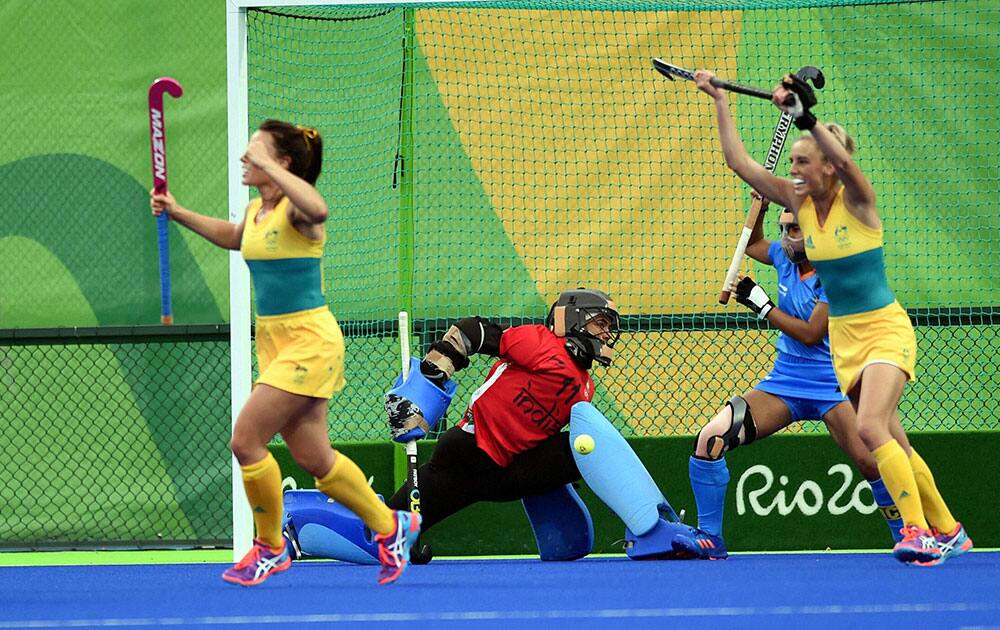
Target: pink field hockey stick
point(158, 147)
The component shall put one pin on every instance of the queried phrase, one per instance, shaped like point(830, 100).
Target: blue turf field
point(828, 590)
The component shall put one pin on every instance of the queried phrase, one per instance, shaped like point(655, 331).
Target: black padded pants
point(460, 474)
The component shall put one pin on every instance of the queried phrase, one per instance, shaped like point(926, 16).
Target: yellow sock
point(935, 509)
point(899, 480)
point(347, 484)
point(262, 482)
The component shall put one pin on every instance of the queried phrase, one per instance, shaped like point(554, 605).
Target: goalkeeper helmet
point(569, 317)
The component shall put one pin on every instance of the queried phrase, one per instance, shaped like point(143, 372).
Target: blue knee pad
point(317, 526)
point(561, 523)
point(615, 474)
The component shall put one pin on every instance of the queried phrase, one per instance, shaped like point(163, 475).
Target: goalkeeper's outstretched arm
point(466, 337)
point(420, 398)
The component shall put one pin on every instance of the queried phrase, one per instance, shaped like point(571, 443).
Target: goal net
point(482, 157)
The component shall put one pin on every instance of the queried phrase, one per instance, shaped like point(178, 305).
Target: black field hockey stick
point(670, 71)
point(806, 73)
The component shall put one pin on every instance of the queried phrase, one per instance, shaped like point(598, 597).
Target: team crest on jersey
point(809, 242)
point(300, 374)
point(840, 233)
point(271, 240)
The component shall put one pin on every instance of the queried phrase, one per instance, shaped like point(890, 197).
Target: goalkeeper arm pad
point(469, 336)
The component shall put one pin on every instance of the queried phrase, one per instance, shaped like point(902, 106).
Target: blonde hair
point(839, 133)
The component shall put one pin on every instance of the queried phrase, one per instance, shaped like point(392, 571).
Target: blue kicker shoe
point(700, 545)
point(394, 547)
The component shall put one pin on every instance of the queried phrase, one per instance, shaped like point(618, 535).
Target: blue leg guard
point(317, 526)
point(615, 474)
point(561, 523)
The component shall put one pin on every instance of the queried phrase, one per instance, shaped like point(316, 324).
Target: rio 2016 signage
point(756, 491)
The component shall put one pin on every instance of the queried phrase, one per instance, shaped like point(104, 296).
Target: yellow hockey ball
point(583, 444)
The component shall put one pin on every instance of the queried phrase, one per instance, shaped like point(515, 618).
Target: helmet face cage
point(586, 314)
point(570, 315)
point(788, 242)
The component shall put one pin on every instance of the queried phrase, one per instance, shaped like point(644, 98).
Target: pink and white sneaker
point(953, 543)
point(394, 547)
point(260, 563)
point(919, 546)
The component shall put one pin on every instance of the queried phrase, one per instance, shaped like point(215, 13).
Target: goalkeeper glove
point(750, 295)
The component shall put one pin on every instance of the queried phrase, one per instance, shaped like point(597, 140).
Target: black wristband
point(459, 360)
point(806, 121)
point(433, 373)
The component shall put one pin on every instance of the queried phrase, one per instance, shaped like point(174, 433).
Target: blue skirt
point(808, 387)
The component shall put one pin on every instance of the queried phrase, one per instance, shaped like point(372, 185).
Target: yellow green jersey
point(848, 257)
point(284, 263)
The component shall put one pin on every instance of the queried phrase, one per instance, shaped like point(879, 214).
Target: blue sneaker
point(394, 547)
point(260, 563)
point(700, 545)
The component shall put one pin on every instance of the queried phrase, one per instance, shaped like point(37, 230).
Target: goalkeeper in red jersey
point(511, 444)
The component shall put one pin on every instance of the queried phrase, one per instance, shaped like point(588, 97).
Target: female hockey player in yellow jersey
point(300, 349)
point(871, 337)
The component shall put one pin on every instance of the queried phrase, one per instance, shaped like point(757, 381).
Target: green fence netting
point(481, 158)
point(115, 436)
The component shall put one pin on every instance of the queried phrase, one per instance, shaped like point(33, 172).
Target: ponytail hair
point(302, 145)
point(839, 133)
point(842, 136)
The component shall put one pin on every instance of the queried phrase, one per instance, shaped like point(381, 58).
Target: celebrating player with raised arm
point(300, 349)
point(801, 386)
point(871, 338)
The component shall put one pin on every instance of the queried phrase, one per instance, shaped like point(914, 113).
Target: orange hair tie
point(309, 134)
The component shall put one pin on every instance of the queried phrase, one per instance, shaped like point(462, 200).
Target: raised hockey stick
point(158, 147)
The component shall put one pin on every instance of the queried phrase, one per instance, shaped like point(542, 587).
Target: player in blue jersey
point(801, 386)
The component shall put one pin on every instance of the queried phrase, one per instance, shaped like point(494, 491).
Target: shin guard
point(561, 523)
